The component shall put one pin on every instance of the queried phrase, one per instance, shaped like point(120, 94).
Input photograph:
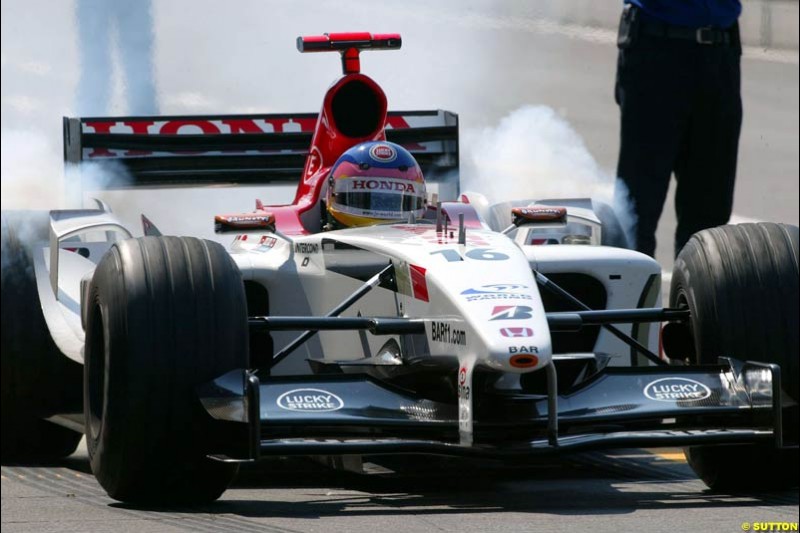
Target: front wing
point(619, 407)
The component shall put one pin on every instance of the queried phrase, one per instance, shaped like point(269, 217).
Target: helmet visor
point(378, 201)
point(378, 197)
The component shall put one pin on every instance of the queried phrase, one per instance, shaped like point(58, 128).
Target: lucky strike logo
point(383, 153)
point(309, 401)
point(382, 185)
point(676, 389)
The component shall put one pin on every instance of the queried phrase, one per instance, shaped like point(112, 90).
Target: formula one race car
point(462, 328)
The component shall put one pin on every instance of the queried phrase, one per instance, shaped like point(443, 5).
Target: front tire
point(741, 285)
point(167, 315)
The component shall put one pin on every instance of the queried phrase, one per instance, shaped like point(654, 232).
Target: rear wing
point(239, 149)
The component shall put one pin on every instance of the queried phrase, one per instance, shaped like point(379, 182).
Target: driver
point(375, 182)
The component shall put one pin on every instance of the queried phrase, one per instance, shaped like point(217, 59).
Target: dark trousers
point(681, 112)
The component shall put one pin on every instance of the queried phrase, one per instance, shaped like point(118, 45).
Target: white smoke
point(92, 177)
point(31, 176)
point(114, 45)
point(33, 179)
point(28, 184)
point(534, 154)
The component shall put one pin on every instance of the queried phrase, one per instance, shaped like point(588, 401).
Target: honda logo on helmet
point(383, 185)
point(383, 153)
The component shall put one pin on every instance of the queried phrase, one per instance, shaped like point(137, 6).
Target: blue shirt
point(691, 13)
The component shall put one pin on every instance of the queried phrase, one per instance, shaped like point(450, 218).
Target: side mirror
point(244, 222)
point(537, 214)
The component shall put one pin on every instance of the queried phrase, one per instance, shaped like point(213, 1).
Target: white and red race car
point(500, 330)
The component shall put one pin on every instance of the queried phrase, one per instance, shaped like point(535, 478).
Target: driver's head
point(375, 182)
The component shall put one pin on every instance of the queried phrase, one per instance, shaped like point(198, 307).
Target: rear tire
point(612, 232)
point(741, 286)
point(167, 315)
point(37, 379)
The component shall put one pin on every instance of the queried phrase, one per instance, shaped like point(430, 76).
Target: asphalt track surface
point(625, 490)
point(483, 60)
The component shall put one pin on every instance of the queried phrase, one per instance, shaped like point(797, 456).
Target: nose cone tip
point(519, 359)
point(523, 360)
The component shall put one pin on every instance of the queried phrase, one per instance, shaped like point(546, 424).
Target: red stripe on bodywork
point(418, 284)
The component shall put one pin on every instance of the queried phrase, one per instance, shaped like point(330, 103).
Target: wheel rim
point(681, 301)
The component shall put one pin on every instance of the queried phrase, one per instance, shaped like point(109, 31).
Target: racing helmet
point(375, 182)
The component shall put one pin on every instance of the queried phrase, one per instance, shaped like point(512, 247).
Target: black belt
point(708, 35)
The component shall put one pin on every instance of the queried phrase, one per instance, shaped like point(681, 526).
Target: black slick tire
point(37, 379)
point(741, 286)
point(167, 315)
point(612, 232)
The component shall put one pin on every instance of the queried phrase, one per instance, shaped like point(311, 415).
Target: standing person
point(128, 25)
point(678, 89)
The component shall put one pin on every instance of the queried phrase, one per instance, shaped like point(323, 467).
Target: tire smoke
point(32, 178)
point(534, 154)
point(114, 36)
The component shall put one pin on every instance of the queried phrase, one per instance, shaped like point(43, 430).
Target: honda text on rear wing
point(242, 149)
